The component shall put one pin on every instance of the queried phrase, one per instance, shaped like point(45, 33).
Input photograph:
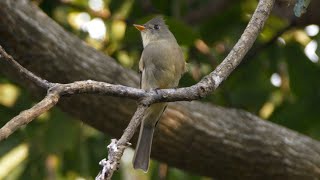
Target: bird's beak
point(140, 27)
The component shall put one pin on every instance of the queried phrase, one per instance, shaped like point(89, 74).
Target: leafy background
point(278, 81)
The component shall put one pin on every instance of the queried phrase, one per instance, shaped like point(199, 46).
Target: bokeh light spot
point(8, 94)
point(96, 5)
point(312, 30)
point(310, 51)
point(276, 80)
point(96, 29)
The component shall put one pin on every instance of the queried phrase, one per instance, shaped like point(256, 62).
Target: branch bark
point(202, 138)
point(27, 116)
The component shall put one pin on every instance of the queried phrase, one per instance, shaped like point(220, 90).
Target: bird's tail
point(143, 149)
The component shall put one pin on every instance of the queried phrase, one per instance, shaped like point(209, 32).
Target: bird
point(161, 66)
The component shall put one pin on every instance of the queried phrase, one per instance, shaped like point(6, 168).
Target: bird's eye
point(156, 26)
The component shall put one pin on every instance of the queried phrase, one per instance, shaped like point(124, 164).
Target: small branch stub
point(115, 151)
point(108, 166)
point(116, 148)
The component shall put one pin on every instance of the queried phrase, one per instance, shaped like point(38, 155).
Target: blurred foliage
point(55, 146)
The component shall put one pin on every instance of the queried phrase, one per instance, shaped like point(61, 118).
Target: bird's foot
point(156, 90)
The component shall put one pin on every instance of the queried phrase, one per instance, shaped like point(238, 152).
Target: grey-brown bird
point(161, 66)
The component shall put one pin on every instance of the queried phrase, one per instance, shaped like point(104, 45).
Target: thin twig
point(23, 71)
point(28, 115)
point(203, 88)
point(206, 86)
point(134, 123)
point(116, 148)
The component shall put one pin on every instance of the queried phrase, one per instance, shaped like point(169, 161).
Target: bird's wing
point(140, 70)
point(150, 63)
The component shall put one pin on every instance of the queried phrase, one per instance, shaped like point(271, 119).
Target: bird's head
point(154, 30)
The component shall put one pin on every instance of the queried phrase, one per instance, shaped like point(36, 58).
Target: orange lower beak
point(139, 27)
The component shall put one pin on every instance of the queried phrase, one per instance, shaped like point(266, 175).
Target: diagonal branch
point(27, 116)
point(116, 148)
point(23, 71)
point(206, 86)
point(209, 83)
point(228, 143)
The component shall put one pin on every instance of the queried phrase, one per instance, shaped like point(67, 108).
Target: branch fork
point(112, 164)
point(145, 98)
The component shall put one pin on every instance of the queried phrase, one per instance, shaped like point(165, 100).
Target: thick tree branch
point(206, 86)
point(210, 82)
point(230, 144)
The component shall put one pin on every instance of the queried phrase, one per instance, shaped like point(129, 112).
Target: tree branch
point(206, 86)
point(27, 116)
point(116, 148)
point(23, 71)
point(230, 144)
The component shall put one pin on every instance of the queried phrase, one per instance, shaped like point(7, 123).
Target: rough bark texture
point(198, 137)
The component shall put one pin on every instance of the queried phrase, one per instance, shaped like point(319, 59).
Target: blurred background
point(280, 75)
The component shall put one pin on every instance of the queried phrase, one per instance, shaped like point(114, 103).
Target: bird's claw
point(156, 90)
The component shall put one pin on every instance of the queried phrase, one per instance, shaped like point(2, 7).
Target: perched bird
point(161, 66)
